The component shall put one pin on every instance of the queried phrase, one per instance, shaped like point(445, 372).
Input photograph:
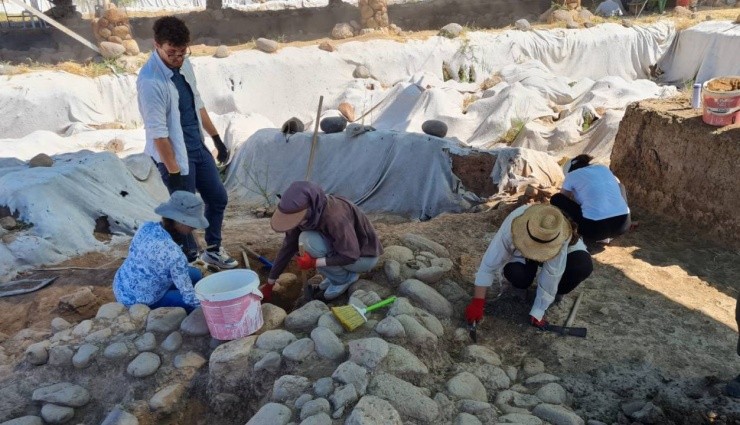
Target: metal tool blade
point(473, 330)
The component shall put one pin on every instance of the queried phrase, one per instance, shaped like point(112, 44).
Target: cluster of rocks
point(114, 33)
point(351, 29)
point(373, 13)
point(572, 17)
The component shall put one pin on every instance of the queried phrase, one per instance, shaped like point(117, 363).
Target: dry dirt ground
point(659, 309)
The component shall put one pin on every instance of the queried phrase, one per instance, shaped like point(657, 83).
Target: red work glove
point(537, 323)
point(306, 262)
point(474, 310)
point(266, 290)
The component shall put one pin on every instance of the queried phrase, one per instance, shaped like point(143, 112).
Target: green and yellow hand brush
point(352, 317)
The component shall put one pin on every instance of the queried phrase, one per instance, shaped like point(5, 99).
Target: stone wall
point(675, 166)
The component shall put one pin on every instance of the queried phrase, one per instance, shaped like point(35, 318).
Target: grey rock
point(557, 415)
point(434, 128)
point(191, 359)
point(415, 332)
point(138, 313)
point(467, 419)
point(292, 125)
point(398, 253)
point(61, 355)
point(390, 327)
point(511, 372)
point(492, 377)
point(523, 25)
point(367, 297)
point(111, 50)
point(41, 160)
point(99, 336)
point(595, 422)
point(273, 316)
point(473, 407)
point(526, 401)
point(318, 419)
point(328, 321)
point(305, 318)
point(314, 407)
point(426, 297)
point(323, 387)
point(54, 414)
point(392, 269)
point(271, 414)
point(146, 342)
point(465, 385)
point(195, 324)
point(110, 311)
point(58, 324)
point(226, 364)
point(483, 354)
point(589, 24)
point(173, 342)
point(63, 394)
point(327, 344)
point(165, 319)
point(451, 30)
point(267, 45)
point(368, 352)
point(38, 353)
point(299, 350)
point(166, 399)
point(85, 355)
point(351, 373)
point(572, 25)
point(120, 417)
point(145, 364)
point(400, 360)
point(421, 243)
point(342, 31)
point(361, 71)
point(371, 410)
point(115, 351)
point(649, 414)
point(343, 396)
point(62, 336)
point(552, 393)
point(303, 399)
point(430, 322)
point(444, 263)
point(289, 387)
point(331, 125)
point(532, 366)
point(631, 407)
point(401, 306)
point(430, 274)
point(408, 399)
point(222, 51)
point(270, 362)
point(520, 418)
point(540, 379)
point(326, 46)
point(83, 328)
point(25, 420)
point(275, 340)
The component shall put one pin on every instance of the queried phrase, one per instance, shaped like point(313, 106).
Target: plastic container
point(231, 303)
point(684, 3)
point(720, 108)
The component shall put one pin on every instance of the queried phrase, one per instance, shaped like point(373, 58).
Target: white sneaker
point(220, 259)
point(606, 241)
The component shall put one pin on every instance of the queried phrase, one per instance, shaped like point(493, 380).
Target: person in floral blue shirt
point(156, 272)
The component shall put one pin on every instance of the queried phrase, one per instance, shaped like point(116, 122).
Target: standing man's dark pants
point(591, 229)
point(578, 267)
point(203, 176)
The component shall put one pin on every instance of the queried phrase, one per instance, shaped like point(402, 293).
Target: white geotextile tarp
point(705, 51)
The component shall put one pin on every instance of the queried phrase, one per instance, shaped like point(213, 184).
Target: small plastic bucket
point(231, 303)
point(721, 108)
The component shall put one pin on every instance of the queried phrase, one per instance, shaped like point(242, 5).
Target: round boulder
point(434, 128)
point(333, 124)
point(41, 160)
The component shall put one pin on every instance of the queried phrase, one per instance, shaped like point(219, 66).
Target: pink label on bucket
point(233, 319)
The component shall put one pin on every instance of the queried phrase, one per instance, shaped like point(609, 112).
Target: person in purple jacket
point(339, 240)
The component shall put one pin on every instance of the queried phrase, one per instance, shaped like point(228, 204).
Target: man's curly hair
point(170, 29)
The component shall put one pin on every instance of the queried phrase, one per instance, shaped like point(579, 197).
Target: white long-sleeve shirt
point(502, 251)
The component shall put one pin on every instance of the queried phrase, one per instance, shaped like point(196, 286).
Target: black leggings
point(578, 267)
point(591, 229)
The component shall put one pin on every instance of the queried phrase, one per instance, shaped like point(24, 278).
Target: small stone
point(85, 355)
point(38, 353)
point(145, 364)
point(139, 312)
point(61, 355)
point(226, 364)
point(299, 350)
point(63, 394)
point(465, 385)
point(552, 393)
point(120, 417)
point(532, 366)
point(146, 342)
point(415, 332)
point(521, 418)
point(271, 414)
point(408, 399)
point(132, 47)
point(41, 160)
point(54, 414)
point(327, 344)
point(328, 321)
point(270, 362)
point(649, 414)
point(191, 359)
point(323, 387)
point(371, 410)
point(326, 46)
point(267, 45)
point(401, 254)
point(305, 318)
point(361, 71)
point(165, 319)
point(25, 420)
point(342, 31)
point(321, 419)
point(368, 352)
point(314, 407)
point(110, 311)
point(426, 297)
point(343, 397)
point(99, 336)
point(483, 354)
point(401, 306)
point(173, 342)
point(347, 111)
point(166, 399)
point(331, 125)
point(195, 324)
point(589, 24)
point(392, 269)
point(222, 51)
point(540, 379)
point(523, 25)
point(62, 336)
point(434, 128)
point(400, 360)
point(492, 377)
point(466, 419)
point(58, 324)
point(430, 322)
point(351, 373)
point(115, 351)
point(273, 317)
point(390, 327)
point(627, 23)
point(452, 30)
point(289, 387)
point(421, 243)
point(557, 415)
point(473, 407)
point(511, 372)
point(275, 340)
point(81, 301)
point(111, 50)
point(303, 399)
point(291, 126)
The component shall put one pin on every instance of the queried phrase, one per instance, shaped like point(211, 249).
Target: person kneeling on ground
point(595, 199)
point(530, 238)
point(338, 238)
point(156, 272)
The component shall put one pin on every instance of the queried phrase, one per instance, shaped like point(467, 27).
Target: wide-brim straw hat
point(540, 231)
point(184, 207)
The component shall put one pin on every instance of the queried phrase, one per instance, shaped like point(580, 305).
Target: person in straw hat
point(531, 238)
point(156, 272)
point(338, 238)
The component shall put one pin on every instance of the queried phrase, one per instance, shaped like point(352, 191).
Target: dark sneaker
point(220, 259)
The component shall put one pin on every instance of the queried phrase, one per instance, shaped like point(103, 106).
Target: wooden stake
point(314, 139)
point(246, 260)
point(572, 315)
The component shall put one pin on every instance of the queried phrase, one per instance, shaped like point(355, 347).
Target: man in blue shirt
point(173, 115)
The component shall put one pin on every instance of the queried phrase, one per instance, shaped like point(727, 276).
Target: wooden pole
point(56, 24)
point(572, 315)
point(314, 139)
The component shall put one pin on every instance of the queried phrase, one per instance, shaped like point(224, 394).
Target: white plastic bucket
point(231, 303)
point(721, 108)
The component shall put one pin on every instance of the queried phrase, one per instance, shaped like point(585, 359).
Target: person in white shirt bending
point(594, 199)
